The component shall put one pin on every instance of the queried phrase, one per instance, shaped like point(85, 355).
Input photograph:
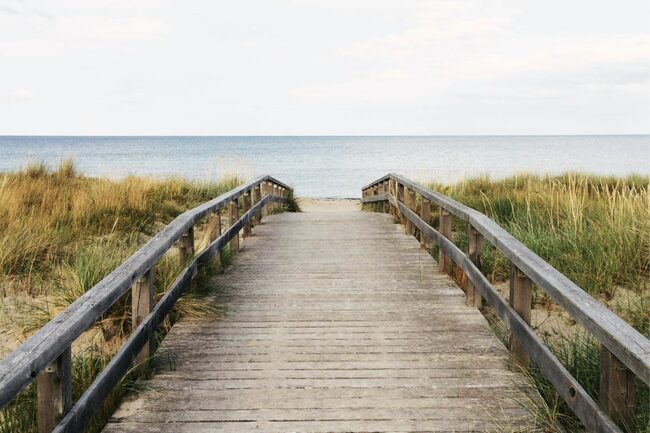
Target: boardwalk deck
point(333, 322)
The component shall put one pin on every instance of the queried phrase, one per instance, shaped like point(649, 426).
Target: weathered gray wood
point(521, 297)
point(54, 389)
point(475, 254)
point(20, 367)
point(626, 343)
point(409, 201)
point(444, 262)
point(213, 232)
point(247, 206)
point(309, 343)
point(617, 389)
point(425, 214)
point(585, 408)
point(257, 196)
point(141, 305)
point(233, 210)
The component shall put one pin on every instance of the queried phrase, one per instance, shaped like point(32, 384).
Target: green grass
point(62, 232)
point(596, 231)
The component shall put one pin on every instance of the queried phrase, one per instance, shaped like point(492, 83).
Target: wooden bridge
point(334, 322)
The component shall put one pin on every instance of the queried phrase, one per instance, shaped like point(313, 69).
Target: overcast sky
point(324, 67)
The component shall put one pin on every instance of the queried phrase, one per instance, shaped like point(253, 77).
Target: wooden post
point(425, 214)
point(400, 197)
point(410, 203)
point(474, 298)
point(186, 246)
point(256, 198)
point(141, 304)
point(247, 207)
point(617, 389)
point(275, 193)
point(234, 216)
point(265, 191)
point(54, 392)
point(213, 232)
point(386, 189)
point(521, 295)
point(444, 262)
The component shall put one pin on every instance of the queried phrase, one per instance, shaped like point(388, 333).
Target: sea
point(333, 166)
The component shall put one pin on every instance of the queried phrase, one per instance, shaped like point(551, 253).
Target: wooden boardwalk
point(333, 322)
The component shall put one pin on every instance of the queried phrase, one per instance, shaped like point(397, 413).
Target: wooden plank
point(626, 343)
point(54, 392)
point(585, 408)
point(310, 343)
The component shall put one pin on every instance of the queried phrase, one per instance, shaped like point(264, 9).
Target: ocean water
point(334, 166)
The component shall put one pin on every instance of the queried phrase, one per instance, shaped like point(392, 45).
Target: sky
point(328, 67)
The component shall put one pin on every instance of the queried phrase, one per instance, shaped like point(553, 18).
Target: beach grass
point(62, 232)
point(593, 229)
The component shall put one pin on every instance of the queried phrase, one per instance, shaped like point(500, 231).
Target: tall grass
point(596, 231)
point(61, 233)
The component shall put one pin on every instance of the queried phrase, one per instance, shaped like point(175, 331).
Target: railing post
point(392, 189)
point(214, 231)
point(521, 294)
point(400, 198)
point(234, 216)
point(256, 198)
point(425, 214)
point(410, 203)
point(141, 304)
point(386, 190)
point(265, 191)
point(617, 389)
point(54, 389)
point(475, 254)
point(186, 246)
point(275, 193)
point(444, 261)
point(247, 207)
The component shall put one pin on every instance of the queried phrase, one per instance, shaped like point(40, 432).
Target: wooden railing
point(46, 356)
point(624, 352)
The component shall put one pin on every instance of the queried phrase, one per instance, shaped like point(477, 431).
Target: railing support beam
point(444, 262)
point(54, 389)
point(617, 389)
point(475, 254)
point(521, 295)
point(214, 231)
point(141, 304)
point(425, 214)
point(234, 216)
point(247, 207)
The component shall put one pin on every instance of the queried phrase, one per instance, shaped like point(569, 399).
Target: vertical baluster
point(186, 246)
point(521, 289)
point(444, 261)
point(425, 214)
point(54, 389)
point(247, 207)
point(410, 203)
point(617, 389)
point(385, 203)
point(475, 255)
point(400, 198)
point(213, 232)
point(234, 216)
point(141, 304)
point(257, 196)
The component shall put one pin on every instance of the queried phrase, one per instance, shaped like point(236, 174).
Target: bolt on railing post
point(444, 261)
point(54, 392)
point(256, 198)
point(234, 216)
point(475, 254)
point(247, 207)
point(425, 214)
point(521, 289)
point(141, 304)
point(617, 389)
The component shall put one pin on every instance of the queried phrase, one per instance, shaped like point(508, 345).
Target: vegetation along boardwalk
point(337, 321)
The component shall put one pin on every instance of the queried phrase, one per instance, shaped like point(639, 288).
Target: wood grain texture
point(334, 322)
point(626, 343)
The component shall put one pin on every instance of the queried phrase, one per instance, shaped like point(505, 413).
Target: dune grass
point(596, 231)
point(61, 233)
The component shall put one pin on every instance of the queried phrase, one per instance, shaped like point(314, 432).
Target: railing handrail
point(22, 365)
point(625, 342)
point(624, 352)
